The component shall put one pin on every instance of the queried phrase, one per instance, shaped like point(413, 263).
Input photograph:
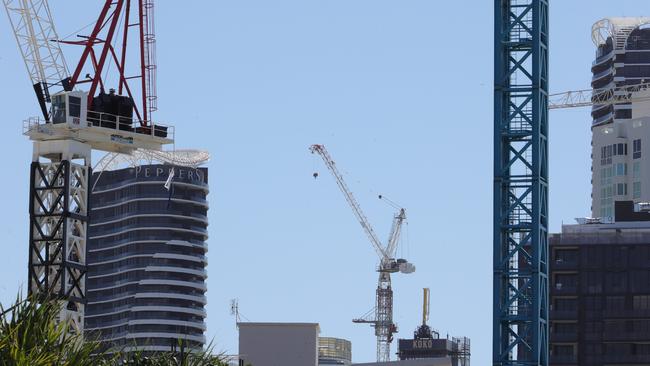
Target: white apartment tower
point(620, 133)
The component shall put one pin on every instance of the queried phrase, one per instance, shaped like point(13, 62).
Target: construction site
point(120, 220)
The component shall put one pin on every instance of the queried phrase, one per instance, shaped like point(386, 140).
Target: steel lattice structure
point(381, 316)
point(521, 183)
point(34, 30)
point(58, 216)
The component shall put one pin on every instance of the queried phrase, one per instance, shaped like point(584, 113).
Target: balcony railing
point(107, 121)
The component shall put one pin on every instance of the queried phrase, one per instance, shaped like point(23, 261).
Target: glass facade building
point(334, 351)
point(600, 292)
point(620, 131)
point(147, 257)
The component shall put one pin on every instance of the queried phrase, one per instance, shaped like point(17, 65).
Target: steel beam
point(520, 300)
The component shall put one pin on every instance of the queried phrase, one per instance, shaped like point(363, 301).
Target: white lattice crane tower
point(74, 122)
point(381, 317)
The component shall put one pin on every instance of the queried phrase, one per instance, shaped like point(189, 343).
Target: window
point(621, 189)
point(606, 175)
point(566, 255)
point(566, 281)
point(641, 348)
point(636, 151)
point(594, 303)
point(616, 281)
point(592, 282)
point(623, 114)
point(566, 304)
point(619, 349)
point(58, 109)
point(641, 302)
point(565, 328)
point(636, 170)
point(621, 169)
point(636, 190)
point(607, 211)
point(563, 350)
point(75, 106)
point(606, 153)
point(615, 303)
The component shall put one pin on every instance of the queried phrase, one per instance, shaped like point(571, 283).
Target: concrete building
point(147, 257)
point(600, 291)
point(619, 132)
point(278, 344)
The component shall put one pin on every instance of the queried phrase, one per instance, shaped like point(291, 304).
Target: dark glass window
point(58, 109)
point(566, 304)
point(563, 350)
point(636, 151)
point(75, 106)
point(566, 255)
point(615, 303)
point(566, 281)
point(623, 114)
point(593, 303)
point(565, 328)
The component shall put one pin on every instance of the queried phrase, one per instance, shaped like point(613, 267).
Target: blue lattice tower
point(521, 183)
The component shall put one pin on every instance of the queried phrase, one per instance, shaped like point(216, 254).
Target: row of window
point(597, 282)
point(620, 149)
point(600, 303)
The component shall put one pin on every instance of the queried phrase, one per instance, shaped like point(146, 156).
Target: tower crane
point(381, 317)
point(74, 122)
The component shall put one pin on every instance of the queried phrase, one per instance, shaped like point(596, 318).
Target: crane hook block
point(315, 175)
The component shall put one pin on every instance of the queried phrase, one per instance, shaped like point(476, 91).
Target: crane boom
point(349, 197)
point(33, 27)
point(381, 316)
point(605, 96)
point(395, 232)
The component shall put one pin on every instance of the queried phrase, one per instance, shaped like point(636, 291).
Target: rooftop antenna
point(234, 311)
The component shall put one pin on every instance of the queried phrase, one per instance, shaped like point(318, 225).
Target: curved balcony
point(602, 74)
point(140, 227)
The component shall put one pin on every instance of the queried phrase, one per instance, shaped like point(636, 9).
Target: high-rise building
point(619, 132)
point(600, 291)
point(147, 257)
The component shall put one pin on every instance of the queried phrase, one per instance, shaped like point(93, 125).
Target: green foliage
point(31, 336)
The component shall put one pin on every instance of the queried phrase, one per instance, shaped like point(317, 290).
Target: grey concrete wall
point(279, 344)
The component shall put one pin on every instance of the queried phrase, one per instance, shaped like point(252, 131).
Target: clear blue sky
point(401, 94)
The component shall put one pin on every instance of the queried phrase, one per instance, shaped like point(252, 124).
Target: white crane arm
point(606, 96)
point(36, 36)
point(395, 232)
point(356, 208)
